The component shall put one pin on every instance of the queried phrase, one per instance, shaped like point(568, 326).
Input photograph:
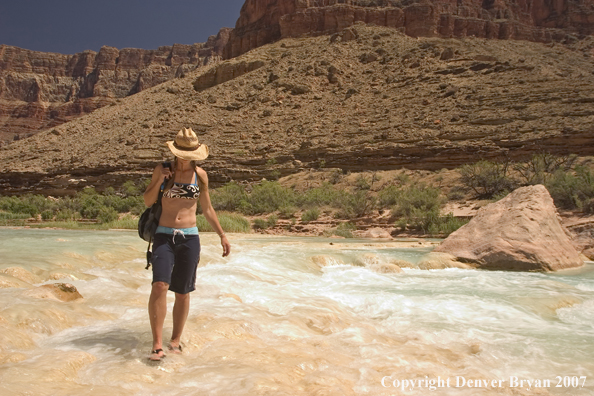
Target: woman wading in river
point(176, 246)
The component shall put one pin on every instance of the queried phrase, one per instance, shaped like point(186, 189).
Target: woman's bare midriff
point(178, 213)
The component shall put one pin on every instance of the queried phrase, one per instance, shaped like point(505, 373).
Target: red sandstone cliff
point(265, 21)
point(39, 90)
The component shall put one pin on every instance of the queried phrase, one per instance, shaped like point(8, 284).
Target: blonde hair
point(193, 165)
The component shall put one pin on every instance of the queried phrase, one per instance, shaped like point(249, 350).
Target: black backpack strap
point(149, 255)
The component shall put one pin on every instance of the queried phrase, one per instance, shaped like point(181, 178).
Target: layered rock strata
point(379, 102)
point(266, 21)
point(40, 90)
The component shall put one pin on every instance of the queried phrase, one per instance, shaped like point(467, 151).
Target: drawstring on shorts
point(177, 231)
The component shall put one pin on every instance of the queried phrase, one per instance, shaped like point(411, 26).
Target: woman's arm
point(209, 212)
point(152, 191)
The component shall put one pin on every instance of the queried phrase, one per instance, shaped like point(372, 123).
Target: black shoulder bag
point(149, 221)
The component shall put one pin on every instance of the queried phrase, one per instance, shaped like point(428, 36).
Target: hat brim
point(198, 154)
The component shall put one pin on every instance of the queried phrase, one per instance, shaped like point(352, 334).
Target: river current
point(288, 316)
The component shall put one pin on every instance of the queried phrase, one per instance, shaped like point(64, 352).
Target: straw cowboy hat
point(187, 147)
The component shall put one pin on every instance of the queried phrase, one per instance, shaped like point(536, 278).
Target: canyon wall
point(39, 90)
point(266, 21)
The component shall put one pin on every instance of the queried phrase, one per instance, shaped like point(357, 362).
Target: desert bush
point(260, 224)
point(310, 215)
point(272, 221)
point(107, 214)
point(268, 197)
point(287, 212)
point(47, 215)
point(344, 230)
point(231, 222)
point(361, 183)
point(335, 176)
point(418, 207)
point(357, 204)
point(67, 214)
point(134, 188)
point(13, 216)
point(127, 222)
point(325, 195)
point(540, 168)
point(457, 193)
point(388, 197)
point(487, 178)
point(573, 190)
point(26, 204)
point(402, 179)
point(445, 225)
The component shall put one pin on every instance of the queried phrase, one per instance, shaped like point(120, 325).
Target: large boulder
point(521, 232)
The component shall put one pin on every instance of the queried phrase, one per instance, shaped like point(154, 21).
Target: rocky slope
point(39, 90)
point(266, 21)
point(363, 99)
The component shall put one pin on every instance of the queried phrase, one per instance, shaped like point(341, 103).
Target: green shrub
point(487, 178)
point(29, 204)
point(267, 197)
point(335, 176)
point(418, 207)
point(67, 215)
point(541, 167)
point(107, 214)
point(133, 189)
point(231, 222)
point(275, 175)
point(344, 230)
point(272, 221)
point(310, 215)
point(127, 222)
point(402, 179)
point(325, 195)
point(287, 212)
point(134, 205)
point(456, 193)
point(573, 190)
point(445, 225)
point(47, 215)
point(388, 196)
point(260, 224)
point(357, 204)
point(13, 216)
point(361, 183)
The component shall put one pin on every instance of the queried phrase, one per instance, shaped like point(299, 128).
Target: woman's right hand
point(165, 173)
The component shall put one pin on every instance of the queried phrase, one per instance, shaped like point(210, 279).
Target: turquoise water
point(272, 320)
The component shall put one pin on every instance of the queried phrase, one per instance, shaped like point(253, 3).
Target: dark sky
point(70, 26)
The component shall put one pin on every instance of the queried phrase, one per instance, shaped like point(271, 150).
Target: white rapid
point(288, 316)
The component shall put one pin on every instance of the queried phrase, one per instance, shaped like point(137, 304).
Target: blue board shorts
point(176, 254)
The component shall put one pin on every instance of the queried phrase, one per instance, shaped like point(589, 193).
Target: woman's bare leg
point(180, 314)
point(157, 311)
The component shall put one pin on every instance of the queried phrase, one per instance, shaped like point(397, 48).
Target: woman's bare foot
point(175, 348)
point(157, 355)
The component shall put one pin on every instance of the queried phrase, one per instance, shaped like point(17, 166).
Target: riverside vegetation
point(403, 200)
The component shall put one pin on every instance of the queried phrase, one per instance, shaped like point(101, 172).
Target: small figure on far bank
point(176, 245)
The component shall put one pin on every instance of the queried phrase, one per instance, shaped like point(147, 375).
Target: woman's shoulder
point(201, 172)
point(202, 176)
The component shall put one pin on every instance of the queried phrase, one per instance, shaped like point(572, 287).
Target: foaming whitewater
point(288, 316)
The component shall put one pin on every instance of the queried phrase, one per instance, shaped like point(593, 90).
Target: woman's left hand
point(226, 245)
